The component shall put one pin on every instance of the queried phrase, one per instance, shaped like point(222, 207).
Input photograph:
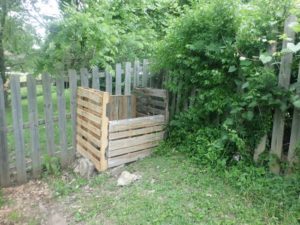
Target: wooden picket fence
point(26, 158)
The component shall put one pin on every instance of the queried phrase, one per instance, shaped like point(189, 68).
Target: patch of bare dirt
point(31, 204)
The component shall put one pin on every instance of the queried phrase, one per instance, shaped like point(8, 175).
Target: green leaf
point(232, 69)
point(245, 85)
point(294, 48)
point(297, 104)
point(265, 58)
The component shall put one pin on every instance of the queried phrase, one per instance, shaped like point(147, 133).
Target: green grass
point(41, 115)
point(173, 190)
point(1, 199)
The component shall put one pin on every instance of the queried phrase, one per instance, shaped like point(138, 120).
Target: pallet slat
point(130, 133)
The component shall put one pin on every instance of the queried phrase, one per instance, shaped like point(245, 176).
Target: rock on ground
point(127, 178)
point(85, 168)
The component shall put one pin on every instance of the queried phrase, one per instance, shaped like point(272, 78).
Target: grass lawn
point(173, 190)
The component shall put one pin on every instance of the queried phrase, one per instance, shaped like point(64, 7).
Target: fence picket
point(128, 78)
point(136, 70)
point(84, 77)
point(18, 128)
point(284, 81)
point(48, 109)
point(73, 104)
point(34, 126)
point(62, 121)
point(4, 167)
point(96, 78)
point(295, 132)
point(119, 79)
point(108, 82)
point(145, 73)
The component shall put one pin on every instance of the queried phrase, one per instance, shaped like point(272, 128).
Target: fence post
point(34, 126)
point(73, 105)
point(108, 82)
point(96, 78)
point(62, 121)
point(84, 77)
point(128, 78)
point(295, 133)
point(18, 128)
point(136, 70)
point(118, 79)
point(145, 73)
point(4, 165)
point(284, 81)
point(48, 109)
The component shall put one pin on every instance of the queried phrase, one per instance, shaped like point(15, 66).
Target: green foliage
point(1, 199)
point(220, 49)
point(105, 32)
point(52, 165)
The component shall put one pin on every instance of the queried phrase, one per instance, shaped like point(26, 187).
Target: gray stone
point(85, 168)
point(127, 178)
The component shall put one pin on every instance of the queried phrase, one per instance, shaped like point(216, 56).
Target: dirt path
point(31, 204)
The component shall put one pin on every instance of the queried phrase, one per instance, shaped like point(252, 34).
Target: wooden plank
point(284, 81)
point(108, 82)
point(104, 133)
point(131, 133)
point(135, 123)
point(4, 164)
point(150, 110)
point(136, 71)
point(136, 148)
point(133, 106)
point(295, 133)
point(34, 126)
point(145, 73)
point(90, 147)
point(89, 156)
point(73, 105)
point(84, 77)
point(18, 131)
point(96, 78)
point(61, 101)
point(89, 135)
point(89, 126)
point(161, 93)
point(89, 116)
point(48, 110)
point(96, 109)
point(128, 142)
point(118, 79)
point(128, 78)
point(131, 157)
point(92, 96)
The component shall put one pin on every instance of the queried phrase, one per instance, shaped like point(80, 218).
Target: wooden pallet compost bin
point(114, 130)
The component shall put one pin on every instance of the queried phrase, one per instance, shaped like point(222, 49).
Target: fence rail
point(22, 147)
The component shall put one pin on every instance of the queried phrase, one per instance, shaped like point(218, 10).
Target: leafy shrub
point(52, 165)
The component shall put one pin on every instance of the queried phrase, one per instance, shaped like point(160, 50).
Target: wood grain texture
point(118, 79)
point(128, 73)
point(96, 78)
point(73, 106)
point(84, 77)
point(18, 129)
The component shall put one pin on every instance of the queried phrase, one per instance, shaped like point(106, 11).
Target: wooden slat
point(91, 95)
point(284, 81)
point(128, 124)
point(18, 131)
point(104, 133)
point(131, 157)
point(118, 79)
point(136, 70)
point(149, 110)
point(90, 148)
point(89, 116)
point(127, 78)
point(96, 109)
point(295, 132)
point(151, 92)
point(48, 109)
point(61, 102)
point(91, 127)
point(145, 73)
point(73, 105)
point(89, 156)
point(108, 82)
point(84, 77)
point(128, 142)
point(131, 133)
point(136, 148)
point(4, 167)
point(96, 78)
point(34, 130)
point(89, 135)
